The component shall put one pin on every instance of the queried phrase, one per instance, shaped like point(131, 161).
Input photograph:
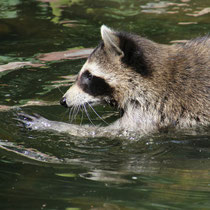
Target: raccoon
point(157, 86)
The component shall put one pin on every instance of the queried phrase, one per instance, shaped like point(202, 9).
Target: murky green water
point(43, 170)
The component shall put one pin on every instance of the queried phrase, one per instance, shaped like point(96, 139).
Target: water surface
point(46, 170)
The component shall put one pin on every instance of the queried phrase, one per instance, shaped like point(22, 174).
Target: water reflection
point(57, 171)
point(169, 172)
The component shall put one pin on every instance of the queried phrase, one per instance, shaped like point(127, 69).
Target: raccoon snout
point(63, 102)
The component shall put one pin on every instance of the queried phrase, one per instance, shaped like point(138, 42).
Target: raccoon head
point(111, 73)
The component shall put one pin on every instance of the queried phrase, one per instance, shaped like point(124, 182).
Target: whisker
point(77, 111)
point(70, 114)
point(87, 114)
point(60, 90)
point(82, 114)
point(73, 114)
point(97, 114)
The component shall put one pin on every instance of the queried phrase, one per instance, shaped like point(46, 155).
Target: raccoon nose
point(63, 102)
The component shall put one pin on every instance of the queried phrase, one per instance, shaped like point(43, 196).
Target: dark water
point(44, 170)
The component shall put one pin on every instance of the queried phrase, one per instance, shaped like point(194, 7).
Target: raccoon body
point(156, 86)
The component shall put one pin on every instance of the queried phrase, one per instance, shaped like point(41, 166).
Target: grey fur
point(158, 86)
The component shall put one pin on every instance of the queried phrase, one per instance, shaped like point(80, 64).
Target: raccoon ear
point(111, 40)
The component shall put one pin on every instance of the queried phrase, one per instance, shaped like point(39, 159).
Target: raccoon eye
point(94, 85)
point(88, 75)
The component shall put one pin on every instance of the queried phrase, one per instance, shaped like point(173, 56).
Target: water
point(44, 170)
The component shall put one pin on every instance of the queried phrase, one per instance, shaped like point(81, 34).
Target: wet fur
point(157, 86)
